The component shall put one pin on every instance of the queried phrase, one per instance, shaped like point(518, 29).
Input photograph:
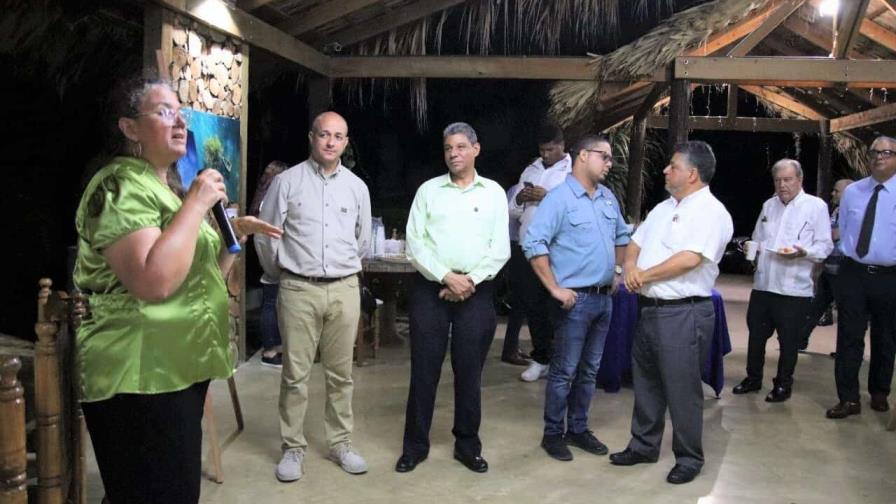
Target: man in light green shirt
point(457, 238)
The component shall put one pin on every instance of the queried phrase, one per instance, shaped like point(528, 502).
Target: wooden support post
point(732, 101)
point(825, 151)
point(48, 403)
point(679, 112)
point(318, 97)
point(13, 462)
point(636, 154)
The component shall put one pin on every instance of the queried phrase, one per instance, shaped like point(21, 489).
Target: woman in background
point(158, 331)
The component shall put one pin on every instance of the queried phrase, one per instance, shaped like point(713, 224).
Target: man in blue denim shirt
point(575, 244)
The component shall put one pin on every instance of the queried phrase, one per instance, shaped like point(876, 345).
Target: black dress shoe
point(587, 441)
point(628, 457)
point(682, 474)
point(844, 409)
point(879, 402)
point(556, 447)
point(474, 463)
point(748, 385)
point(778, 394)
point(407, 463)
point(516, 359)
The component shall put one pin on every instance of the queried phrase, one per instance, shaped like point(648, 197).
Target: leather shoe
point(555, 446)
point(474, 463)
point(407, 463)
point(844, 409)
point(628, 457)
point(516, 359)
point(748, 385)
point(778, 394)
point(879, 402)
point(682, 474)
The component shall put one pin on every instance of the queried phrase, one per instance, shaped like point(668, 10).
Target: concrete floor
point(755, 451)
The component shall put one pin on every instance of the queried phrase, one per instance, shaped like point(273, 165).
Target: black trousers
point(149, 446)
point(821, 303)
point(537, 303)
point(768, 313)
point(517, 315)
point(863, 297)
point(470, 327)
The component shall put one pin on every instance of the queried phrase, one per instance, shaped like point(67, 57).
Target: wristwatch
point(617, 269)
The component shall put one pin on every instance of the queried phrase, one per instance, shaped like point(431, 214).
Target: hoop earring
point(137, 149)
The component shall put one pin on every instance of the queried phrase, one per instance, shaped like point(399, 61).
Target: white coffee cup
point(750, 249)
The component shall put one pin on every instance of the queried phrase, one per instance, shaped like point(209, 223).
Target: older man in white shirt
point(672, 262)
point(544, 174)
point(793, 234)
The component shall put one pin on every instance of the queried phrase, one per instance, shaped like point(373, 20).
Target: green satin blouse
point(134, 346)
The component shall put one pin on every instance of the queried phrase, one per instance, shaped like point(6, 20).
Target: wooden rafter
point(774, 20)
point(848, 28)
point(388, 21)
point(243, 26)
point(785, 101)
point(249, 5)
point(866, 118)
point(322, 14)
point(879, 34)
point(464, 67)
point(788, 72)
point(890, 4)
point(751, 124)
point(815, 34)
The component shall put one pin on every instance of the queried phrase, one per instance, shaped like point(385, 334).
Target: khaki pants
point(311, 316)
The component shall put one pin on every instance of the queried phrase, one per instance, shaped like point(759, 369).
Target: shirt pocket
point(582, 226)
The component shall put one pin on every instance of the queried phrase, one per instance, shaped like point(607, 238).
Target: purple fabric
point(616, 364)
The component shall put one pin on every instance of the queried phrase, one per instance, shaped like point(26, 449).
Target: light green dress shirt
point(133, 346)
point(459, 230)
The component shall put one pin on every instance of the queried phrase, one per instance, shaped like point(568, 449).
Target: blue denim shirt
point(578, 233)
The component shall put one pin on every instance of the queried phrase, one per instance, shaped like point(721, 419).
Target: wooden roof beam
point(879, 34)
point(774, 19)
point(785, 101)
point(816, 35)
point(322, 14)
point(788, 72)
point(890, 4)
point(848, 27)
point(239, 24)
point(249, 5)
point(389, 21)
point(866, 118)
point(750, 124)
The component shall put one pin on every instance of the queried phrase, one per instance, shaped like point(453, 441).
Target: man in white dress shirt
point(672, 262)
point(794, 233)
point(544, 174)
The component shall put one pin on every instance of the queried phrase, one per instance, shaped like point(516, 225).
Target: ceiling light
point(829, 7)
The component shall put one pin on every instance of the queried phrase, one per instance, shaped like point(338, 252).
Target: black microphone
point(230, 240)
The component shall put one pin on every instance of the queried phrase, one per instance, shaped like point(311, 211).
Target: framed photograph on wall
point(212, 142)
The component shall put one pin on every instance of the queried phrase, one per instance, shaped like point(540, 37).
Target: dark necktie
point(868, 224)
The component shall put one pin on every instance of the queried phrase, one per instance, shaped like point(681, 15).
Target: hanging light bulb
point(829, 7)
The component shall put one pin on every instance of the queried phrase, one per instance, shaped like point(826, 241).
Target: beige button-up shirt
point(325, 221)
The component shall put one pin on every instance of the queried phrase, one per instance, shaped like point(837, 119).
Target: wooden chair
point(58, 429)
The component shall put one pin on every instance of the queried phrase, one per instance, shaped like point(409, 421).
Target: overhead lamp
point(829, 7)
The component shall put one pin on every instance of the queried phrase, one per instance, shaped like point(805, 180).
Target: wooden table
point(389, 273)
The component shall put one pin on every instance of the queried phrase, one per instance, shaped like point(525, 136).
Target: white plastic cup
point(750, 249)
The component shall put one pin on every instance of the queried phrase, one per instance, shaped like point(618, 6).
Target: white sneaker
point(534, 372)
point(348, 459)
point(290, 466)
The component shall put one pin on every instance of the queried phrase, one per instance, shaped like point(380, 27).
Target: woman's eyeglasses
point(169, 115)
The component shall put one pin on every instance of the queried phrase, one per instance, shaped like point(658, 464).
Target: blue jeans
point(270, 331)
point(579, 337)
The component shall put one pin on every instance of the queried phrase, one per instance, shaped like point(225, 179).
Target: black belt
point(644, 301)
point(871, 269)
point(318, 279)
point(594, 289)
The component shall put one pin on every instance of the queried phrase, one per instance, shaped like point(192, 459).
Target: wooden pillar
point(636, 154)
point(47, 403)
point(732, 101)
point(679, 112)
point(13, 458)
point(825, 151)
point(156, 45)
point(318, 96)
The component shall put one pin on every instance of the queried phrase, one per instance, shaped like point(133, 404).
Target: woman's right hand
point(207, 189)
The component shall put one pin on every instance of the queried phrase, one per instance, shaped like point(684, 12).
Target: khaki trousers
point(316, 315)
